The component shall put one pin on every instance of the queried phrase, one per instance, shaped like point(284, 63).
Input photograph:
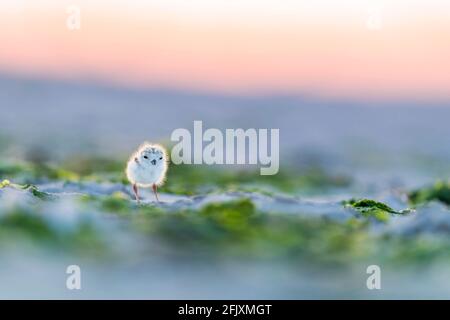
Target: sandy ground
point(41, 274)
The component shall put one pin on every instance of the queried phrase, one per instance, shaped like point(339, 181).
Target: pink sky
point(321, 47)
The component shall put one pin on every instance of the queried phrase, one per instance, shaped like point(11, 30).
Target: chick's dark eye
point(160, 158)
point(145, 157)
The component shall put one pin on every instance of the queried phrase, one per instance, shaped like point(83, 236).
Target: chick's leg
point(155, 191)
point(136, 192)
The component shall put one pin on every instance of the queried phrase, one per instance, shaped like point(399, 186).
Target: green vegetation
point(440, 191)
point(238, 229)
point(372, 208)
point(29, 187)
point(30, 173)
point(4, 183)
point(214, 230)
point(184, 179)
point(190, 180)
point(25, 226)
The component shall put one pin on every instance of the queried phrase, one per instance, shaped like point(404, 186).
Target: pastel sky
point(340, 48)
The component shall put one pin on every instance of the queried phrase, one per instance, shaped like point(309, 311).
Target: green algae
point(440, 192)
point(190, 180)
point(4, 183)
point(28, 187)
point(19, 225)
point(224, 229)
point(218, 229)
point(238, 229)
point(372, 208)
point(181, 179)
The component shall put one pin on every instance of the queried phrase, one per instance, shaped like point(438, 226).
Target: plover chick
point(147, 167)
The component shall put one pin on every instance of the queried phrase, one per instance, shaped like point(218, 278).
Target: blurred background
point(360, 89)
point(331, 75)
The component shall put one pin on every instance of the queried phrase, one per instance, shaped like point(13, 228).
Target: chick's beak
point(153, 162)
